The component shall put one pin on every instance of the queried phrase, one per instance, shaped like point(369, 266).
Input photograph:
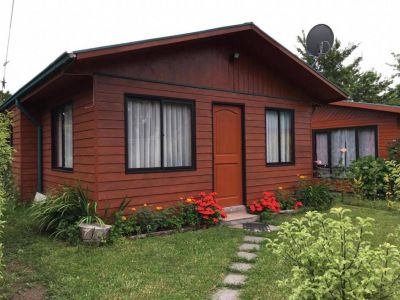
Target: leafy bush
point(392, 179)
point(314, 195)
point(60, 213)
point(368, 177)
point(5, 169)
point(332, 259)
point(287, 199)
point(394, 150)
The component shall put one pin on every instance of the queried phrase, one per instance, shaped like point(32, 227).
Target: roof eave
point(59, 63)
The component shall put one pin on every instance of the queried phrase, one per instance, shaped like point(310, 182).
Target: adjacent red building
point(360, 128)
point(226, 109)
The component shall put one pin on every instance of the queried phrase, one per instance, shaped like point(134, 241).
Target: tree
point(4, 95)
point(393, 94)
point(342, 69)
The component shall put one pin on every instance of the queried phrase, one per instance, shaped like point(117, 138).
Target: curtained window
point(159, 133)
point(62, 138)
point(279, 136)
point(341, 146)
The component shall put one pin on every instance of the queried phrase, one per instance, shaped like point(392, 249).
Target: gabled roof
point(369, 106)
point(333, 93)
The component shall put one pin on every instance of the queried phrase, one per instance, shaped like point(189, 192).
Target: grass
point(187, 265)
point(180, 266)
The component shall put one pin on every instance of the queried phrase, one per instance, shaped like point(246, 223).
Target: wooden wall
point(165, 187)
point(330, 116)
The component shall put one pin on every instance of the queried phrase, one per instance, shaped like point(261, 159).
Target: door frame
point(243, 135)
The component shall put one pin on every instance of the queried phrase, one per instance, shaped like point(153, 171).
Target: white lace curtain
point(321, 140)
point(68, 139)
point(144, 134)
point(366, 142)
point(272, 136)
point(279, 127)
point(343, 139)
point(64, 137)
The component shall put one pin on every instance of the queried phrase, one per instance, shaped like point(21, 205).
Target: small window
point(279, 136)
point(62, 140)
point(159, 134)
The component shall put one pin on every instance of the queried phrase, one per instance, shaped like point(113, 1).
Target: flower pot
point(94, 233)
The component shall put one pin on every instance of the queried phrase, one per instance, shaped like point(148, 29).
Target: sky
point(43, 29)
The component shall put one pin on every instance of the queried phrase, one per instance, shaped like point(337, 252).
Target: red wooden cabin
point(361, 128)
point(226, 109)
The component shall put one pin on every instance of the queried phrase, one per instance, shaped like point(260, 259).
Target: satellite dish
point(319, 40)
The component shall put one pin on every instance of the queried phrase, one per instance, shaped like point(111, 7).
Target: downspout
point(39, 130)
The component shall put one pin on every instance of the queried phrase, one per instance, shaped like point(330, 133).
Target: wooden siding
point(165, 187)
point(336, 117)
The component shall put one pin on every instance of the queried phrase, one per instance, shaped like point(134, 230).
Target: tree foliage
point(4, 96)
point(332, 258)
point(341, 67)
point(5, 160)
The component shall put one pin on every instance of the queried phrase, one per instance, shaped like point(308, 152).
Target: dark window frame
point(161, 100)
point(54, 147)
point(328, 131)
point(292, 137)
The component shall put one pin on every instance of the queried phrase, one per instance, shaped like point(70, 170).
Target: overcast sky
point(43, 29)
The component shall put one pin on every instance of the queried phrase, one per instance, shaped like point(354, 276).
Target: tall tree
point(340, 67)
point(393, 94)
point(4, 96)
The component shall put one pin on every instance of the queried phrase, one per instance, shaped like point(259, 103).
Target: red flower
point(298, 204)
point(215, 220)
point(205, 217)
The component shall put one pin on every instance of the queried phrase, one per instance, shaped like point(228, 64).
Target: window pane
point(272, 136)
point(343, 143)
point(366, 142)
point(59, 140)
point(177, 135)
point(286, 139)
point(143, 134)
point(68, 142)
point(321, 147)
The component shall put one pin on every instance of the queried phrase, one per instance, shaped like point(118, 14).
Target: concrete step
point(236, 218)
point(235, 208)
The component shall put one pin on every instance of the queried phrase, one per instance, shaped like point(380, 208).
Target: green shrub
point(394, 150)
point(5, 169)
point(314, 195)
point(63, 211)
point(368, 177)
point(392, 179)
point(332, 259)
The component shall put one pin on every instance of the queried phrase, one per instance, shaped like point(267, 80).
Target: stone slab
point(249, 247)
point(247, 255)
point(241, 267)
point(253, 239)
point(235, 279)
point(226, 294)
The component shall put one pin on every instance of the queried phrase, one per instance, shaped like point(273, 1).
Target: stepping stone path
point(237, 278)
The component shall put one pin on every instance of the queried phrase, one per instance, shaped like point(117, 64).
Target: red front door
point(227, 131)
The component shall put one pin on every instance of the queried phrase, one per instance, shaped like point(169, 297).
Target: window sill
point(65, 170)
point(159, 170)
point(280, 164)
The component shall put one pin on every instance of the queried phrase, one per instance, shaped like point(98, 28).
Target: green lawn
point(187, 265)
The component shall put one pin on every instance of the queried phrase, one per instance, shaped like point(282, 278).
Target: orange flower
point(145, 204)
point(280, 188)
point(189, 200)
point(302, 177)
point(159, 208)
point(133, 209)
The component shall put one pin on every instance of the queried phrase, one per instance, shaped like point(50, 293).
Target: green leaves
point(331, 258)
point(5, 168)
